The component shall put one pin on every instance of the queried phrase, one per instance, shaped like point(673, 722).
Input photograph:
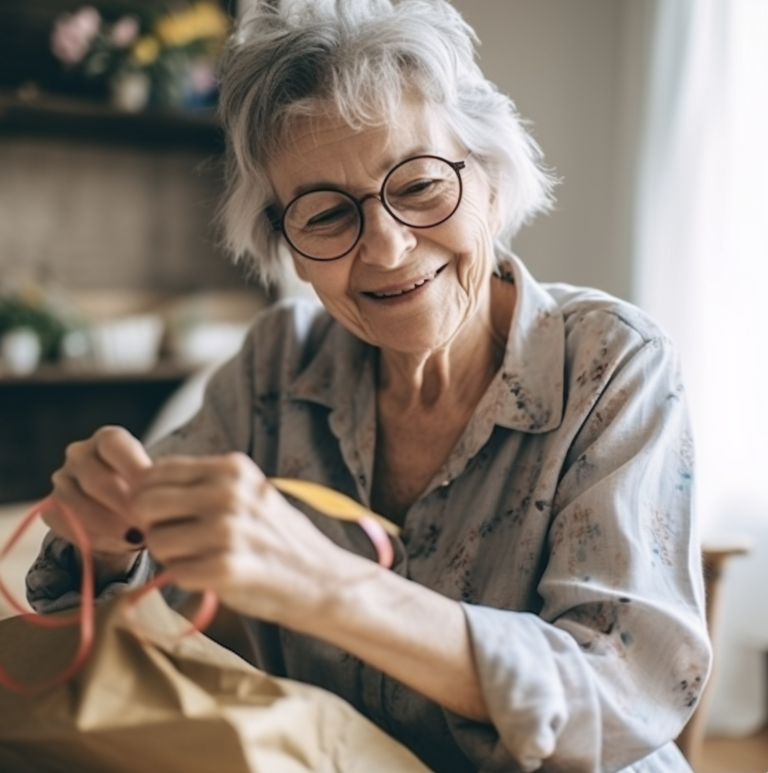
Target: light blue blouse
point(562, 521)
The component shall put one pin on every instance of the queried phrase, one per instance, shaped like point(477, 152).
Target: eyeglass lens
point(326, 224)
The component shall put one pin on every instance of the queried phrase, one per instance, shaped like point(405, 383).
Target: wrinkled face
point(403, 289)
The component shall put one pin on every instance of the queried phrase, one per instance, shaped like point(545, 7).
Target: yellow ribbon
point(330, 502)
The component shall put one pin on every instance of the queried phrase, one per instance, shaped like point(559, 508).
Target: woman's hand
point(94, 484)
point(216, 524)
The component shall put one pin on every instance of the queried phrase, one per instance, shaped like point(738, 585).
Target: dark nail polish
point(134, 536)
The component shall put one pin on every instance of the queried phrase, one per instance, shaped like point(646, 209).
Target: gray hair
point(357, 59)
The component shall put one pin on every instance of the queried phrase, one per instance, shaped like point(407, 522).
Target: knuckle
point(76, 451)
point(230, 500)
point(224, 536)
point(107, 435)
point(226, 539)
point(243, 464)
point(59, 479)
point(226, 567)
point(107, 431)
point(234, 462)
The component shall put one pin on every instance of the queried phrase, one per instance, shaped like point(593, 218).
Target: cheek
point(471, 224)
point(471, 238)
point(330, 281)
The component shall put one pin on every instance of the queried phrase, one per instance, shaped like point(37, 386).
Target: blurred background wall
point(103, 214)
point(110, 173)
point(575, 71)
point(96, 201)
point(114, 210)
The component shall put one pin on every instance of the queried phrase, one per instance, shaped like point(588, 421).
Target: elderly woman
point(545, 605)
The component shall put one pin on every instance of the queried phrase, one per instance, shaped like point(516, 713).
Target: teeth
point(405, 290)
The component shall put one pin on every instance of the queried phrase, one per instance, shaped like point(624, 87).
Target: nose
point(384, 241)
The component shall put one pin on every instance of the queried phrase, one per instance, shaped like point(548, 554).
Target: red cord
point(85, 613)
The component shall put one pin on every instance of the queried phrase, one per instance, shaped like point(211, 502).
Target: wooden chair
point(714, 559)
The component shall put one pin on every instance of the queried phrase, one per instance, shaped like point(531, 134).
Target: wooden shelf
point(43, 412)
point(56, 374)
point(85, 120)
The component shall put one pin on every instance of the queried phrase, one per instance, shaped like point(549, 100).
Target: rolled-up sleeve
point(53, 580)
point(614, 664)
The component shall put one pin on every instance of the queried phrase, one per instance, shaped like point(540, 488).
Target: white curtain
point(701, 269)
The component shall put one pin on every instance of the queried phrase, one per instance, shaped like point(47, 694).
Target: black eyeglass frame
point(277, 222)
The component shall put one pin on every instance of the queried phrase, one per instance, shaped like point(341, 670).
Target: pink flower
point(202, 78)
point(73, 33)
point(124, 31)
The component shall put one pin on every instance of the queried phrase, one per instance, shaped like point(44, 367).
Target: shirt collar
point(525, 395)
point(335, 370)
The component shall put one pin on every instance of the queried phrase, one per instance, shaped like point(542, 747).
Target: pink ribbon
point(84, 615)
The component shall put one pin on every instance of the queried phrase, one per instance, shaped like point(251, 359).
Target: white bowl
point(127, 343)
point(209, 342)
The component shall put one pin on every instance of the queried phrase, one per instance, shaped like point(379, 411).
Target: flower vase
point(20, 351)
point(130, 91)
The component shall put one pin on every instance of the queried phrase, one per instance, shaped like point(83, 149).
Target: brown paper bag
point(158, 701)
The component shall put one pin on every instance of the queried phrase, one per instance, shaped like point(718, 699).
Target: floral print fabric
point(562, 521)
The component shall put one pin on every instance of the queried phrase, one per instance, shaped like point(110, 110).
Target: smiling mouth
point(404, 290)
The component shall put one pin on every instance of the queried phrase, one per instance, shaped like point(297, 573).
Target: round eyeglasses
point(326, 223)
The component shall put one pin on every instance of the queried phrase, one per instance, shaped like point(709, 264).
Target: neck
point(460, 371)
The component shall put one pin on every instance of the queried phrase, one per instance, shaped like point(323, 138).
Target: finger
point(189, 538)
point(186, 470)
point(121, 451)
point(176, 487)
point(204, 499)
point(95, 479)
point(105, 528)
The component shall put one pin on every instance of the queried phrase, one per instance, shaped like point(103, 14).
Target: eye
point(330, 216)
point(421, 194)
point(321, 212)
point(413, 188)
point(416, 187)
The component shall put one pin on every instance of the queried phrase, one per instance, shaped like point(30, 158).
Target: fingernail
point(134, 536)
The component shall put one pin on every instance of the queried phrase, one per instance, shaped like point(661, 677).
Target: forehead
point(325, 149)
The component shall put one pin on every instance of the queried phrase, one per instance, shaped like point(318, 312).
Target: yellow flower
point(211, 20)
point(145, 50)
point(202, 20)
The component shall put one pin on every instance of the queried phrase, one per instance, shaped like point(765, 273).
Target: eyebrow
point(382, 170)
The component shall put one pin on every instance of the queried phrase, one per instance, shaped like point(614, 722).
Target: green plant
point(30, 310)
